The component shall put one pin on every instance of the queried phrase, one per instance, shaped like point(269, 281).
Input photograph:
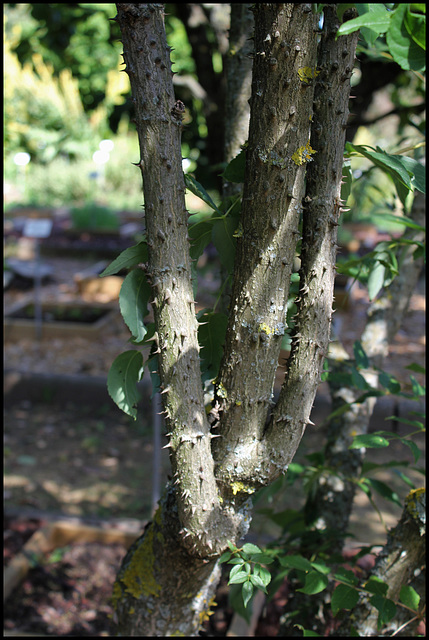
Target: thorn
point(167, 446)
point(310, 422)
point(167, 389)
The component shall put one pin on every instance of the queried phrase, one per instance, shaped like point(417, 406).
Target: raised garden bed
point(59, 320)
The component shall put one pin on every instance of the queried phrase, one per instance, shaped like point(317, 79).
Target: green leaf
point(315, 582)
point(412, 445)
point(390, 164)
point(265, 575)
point(409, 597)
point(377, 586)
point(133, 300)
point(384, 490)
point(344, 597)
point(386, 609)
point(224, 240)
point(126, 370)
point(251, 548)
point(235, 599)
point(361, 358)
point(198, 190)
point(345, 575)
point(257, 582)
point(404, 49)
point(417, 172)
point(404, 478)
point(263, 558)
point(225, 557)
point(415, 24)
point(321, 567)
point(417, 368)
point(238, 577)
point(201, 235)
point(376, 19)
point(296, 562)
point(358, 380)
point(369, 441)
point(346, 186)
point(418, 390)
point(389, 382)
point(308, 633)
point(127, 259)
point(403, 220)
point(238, 568)
point(234, 172)
point(247, 592)
point(211, 336)
point(376, 279)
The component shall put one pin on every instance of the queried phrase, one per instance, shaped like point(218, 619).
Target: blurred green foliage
point(92, 216)
point(64, 93)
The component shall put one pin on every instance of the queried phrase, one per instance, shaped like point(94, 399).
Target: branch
point(281, 106)
point(158, 120)
point(320, 221)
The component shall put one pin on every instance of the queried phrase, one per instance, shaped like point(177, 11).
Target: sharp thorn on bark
point(166, 390)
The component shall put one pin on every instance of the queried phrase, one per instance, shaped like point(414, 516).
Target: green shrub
point(93, 216)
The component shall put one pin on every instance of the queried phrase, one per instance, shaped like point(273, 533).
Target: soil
point(83, 459)
point(66, 592)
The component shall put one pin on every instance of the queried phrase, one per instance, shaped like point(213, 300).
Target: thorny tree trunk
point(168, 578)
point(238, 69)
point(238, 72)
point(332, 502)
point(330, 505)
point(401, 562)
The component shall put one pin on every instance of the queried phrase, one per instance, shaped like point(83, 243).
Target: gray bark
point(401, 562)
point(238, 74)
point(332, 503)
point(238, 69)
point(168, 578)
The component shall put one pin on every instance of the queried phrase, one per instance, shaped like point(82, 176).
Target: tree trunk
point(400, 563)
point(238, 72)
point(166, 583)
point(332, 502)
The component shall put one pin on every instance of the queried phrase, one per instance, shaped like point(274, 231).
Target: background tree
point(168, 578)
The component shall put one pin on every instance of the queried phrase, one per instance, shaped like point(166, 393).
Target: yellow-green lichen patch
point(303, 154)
point(238, 232)
point(116, 594)
point(240, 487)
point(206, 613)
point(416, 507)
point(138, 577)
point(306, 74)
point(220, 389)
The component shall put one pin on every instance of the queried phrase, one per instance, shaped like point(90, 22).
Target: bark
point(198, 19)
point(400, 562)
point(253, 451)
point(238, 74)
point(168, 578)
point(332, 502)
point(238, 70)
point(330, 505)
